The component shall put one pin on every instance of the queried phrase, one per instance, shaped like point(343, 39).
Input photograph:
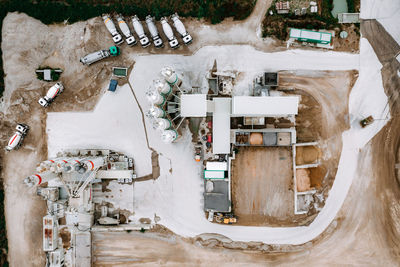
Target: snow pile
point(176, 196)
point(387, 12)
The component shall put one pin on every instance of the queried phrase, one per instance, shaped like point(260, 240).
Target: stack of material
point(303, 180)
point(256, 139)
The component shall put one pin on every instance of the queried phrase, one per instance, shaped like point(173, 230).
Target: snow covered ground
point(176, 196)
point(387, 12)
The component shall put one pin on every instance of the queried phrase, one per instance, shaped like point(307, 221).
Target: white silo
point(39, 178)
point(171, 76)
point(156, 112)
point(162, 87)
point(155, 98)
point(163, 124)
point(168, 136)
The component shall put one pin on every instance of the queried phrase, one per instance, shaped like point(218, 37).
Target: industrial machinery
point(99, 55)
point(52, 93)
point(367, 121)
point(137, 25)
point(16, 140)
point(173, 42)
point(158, 43)
point(71, 185)
point(198, 152)
point(227, 218)
point(117, 38)
point(180, 28)
point(123, 26)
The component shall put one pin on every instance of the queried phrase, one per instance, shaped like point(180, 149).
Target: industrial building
point(85, 191)
point(241, 121)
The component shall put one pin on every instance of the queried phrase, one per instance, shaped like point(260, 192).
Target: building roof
point(217, 199)
point(306, 35)
point(264, 105)
point(193, 105)
point(221, 125)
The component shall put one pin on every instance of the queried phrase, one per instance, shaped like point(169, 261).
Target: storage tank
point(171, 76)
point(90, 164)
point(39, 178)
point(123, 26)
point(169, 136)
point(158, 43)
point(162, 87)
point(173, 43)
point(155, 98)
point(163, 124)
point(117, 38)
point(156, 112)
point(180, 28)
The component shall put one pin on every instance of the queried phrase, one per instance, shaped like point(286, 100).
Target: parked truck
point(16, 140)
point(117, 38)
point(51, 94)
point(180, 28)
point(173, 42)
point(99, 55)
point(137, 25)
point(123, 26)
point(158, 42)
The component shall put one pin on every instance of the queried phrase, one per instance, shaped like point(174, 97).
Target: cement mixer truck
point(158, 42)
point(16, 140)
point(173, 43)
point(137, 25)
point(123, 26)
point(117, 38)
point(180, 28)
point(52, 93)
point(99, 55)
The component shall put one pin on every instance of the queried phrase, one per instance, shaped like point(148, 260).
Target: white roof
point(214, 174)
point(221, 126)
point(193, 105)
point(264, 105)
point(216, 166)
point(114, 174)
point(398, 57)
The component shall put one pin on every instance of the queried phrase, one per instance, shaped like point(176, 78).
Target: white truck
point(173, 43)
point(137, 25)
point(158, 42)
point(99, 55)
point(180, 28)
point(16, 140)
point(123, 26)
point(52, 93)
point(117, 38)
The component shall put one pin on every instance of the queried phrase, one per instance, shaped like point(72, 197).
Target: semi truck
point(123, 26)
point(137, 25)
point(51, 94)
point(180, 28)
point(117, 38)
point(158, 42)
point(99, 55)
point(173, 42)
point(16, 140)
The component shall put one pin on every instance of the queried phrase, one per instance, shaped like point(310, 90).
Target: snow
point(176, 196)
point(387, 12)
